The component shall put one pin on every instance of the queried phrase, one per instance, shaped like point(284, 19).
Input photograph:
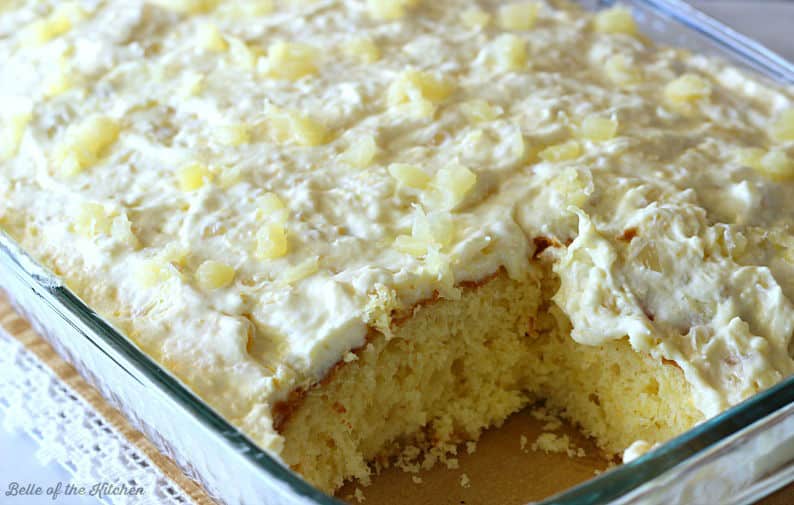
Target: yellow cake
point(364, 231)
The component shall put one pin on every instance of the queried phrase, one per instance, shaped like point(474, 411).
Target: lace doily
point(70, 432)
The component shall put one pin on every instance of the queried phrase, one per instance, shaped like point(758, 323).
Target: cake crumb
point(551, 442)
point(552, 425)
point(471, 447)
point(417, 479)
point(524, 441)
point(465, 481)
point(359, 495)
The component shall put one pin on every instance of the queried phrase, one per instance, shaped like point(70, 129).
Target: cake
point(364, 231)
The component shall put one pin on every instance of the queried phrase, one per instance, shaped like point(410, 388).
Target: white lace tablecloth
point(70, 432)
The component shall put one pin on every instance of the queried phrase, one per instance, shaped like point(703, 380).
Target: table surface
point(768, 21)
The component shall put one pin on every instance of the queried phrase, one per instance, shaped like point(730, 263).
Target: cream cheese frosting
point(246, 187)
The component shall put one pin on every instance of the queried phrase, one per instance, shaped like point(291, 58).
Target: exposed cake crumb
point(359, 495)
point(452, 463)
point(465, 481)
point(471, 447)
point(551, 442)
point(524, 441)
point(417, 479)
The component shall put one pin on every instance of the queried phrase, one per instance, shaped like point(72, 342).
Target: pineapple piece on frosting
point(212, 275)
point(782, 129)
point(62, 18)
point(419, 92)
point(289, 61)
point(85, 143)
point(271, 241)
point(389, 10)
point(518, 16)
point(615, 20)
point(292, 127)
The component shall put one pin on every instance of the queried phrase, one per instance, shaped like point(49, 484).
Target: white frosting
point(707, 281)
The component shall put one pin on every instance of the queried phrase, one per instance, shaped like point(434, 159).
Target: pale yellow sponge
point(84, 143)
point(782, 129)
point(598, 128)
point(615, 20)
point(214, 275)
point(518, 16)
point(271, 241)
point(289, 60)
point(565, 151)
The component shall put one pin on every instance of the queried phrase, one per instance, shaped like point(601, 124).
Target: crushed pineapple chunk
point(153, 272)
point(233, 134)
point(92, 220)
point(300, 271)
point(247, 8)
point(389, 10)
point(58, 22)
point(271, 241)
point(452, 184)
point(15, 123)
point(776, 164)
point(508, 53)
point(411, 245)
point(783, 128)
point(214, 275)
point(360, 152)
point(518, 16)
point(620, 71)
point(85, 143)
point(192, 84)
point(121, 230)
point(210, 38)
point(436, 228)
point(598, 129)
point(270, 207)
point(561, 152)
point(687, 89)
point(289, 126)
point(60, 82)
point(475, 18)
point(409, 175)
point(289, 60)
point(187, 6)
point(615, 20)
point(361, 48)
point(242, 54)
point(573, 187)
point(193, 176)
point(478, 111)
point(414, 85)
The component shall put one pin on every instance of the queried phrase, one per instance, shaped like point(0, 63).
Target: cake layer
point(455, 368)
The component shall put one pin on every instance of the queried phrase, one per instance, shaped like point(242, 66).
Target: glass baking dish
point(737, 457)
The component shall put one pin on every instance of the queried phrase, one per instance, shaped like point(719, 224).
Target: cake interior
point(453, 368)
